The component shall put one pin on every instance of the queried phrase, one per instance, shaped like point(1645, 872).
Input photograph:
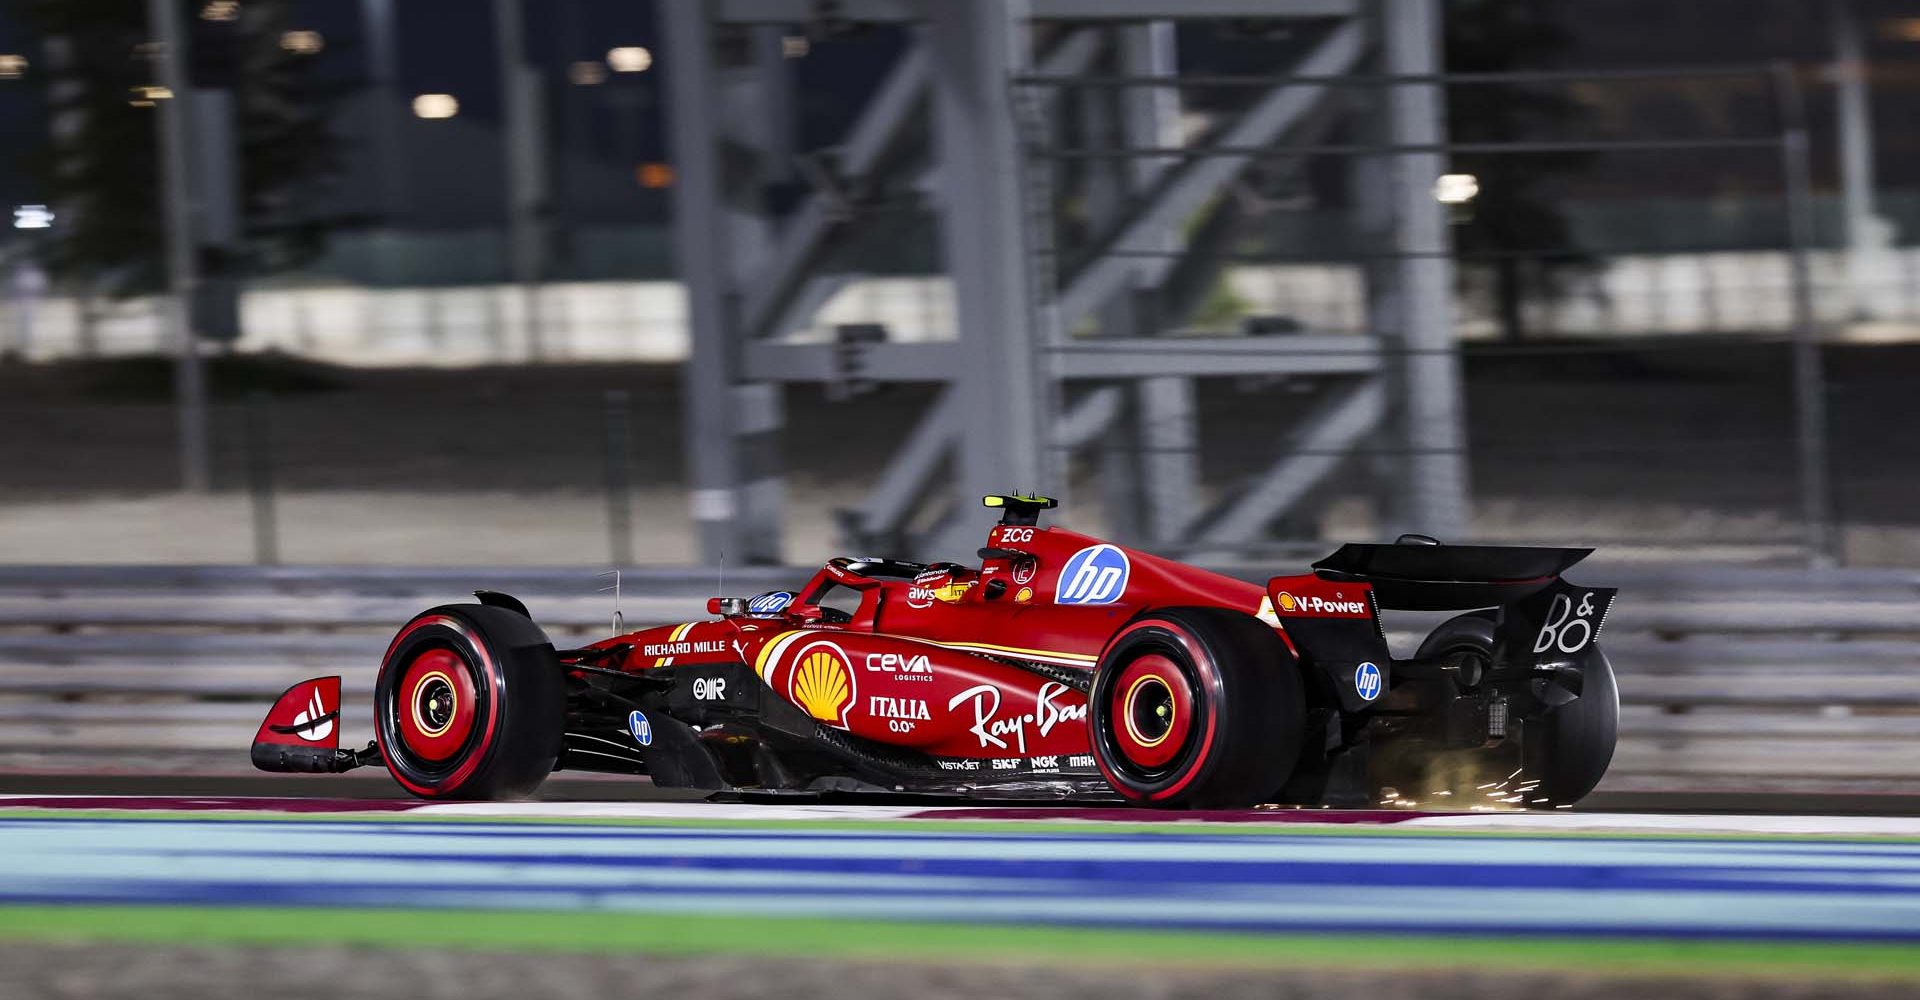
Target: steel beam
point(1149, 357)
point(525, 151)
point(976, 48)
point(786, 296)
point(1167, 426)
point(1867, 234)
point(1326, 438)
point(1102, 358)
point(892, 106)
point(910, 473)
point(883, 11)
point(700, 250)
point(1202, 178)
point(936, 361)
point(183, 272)
point(1432, 424)
point(1163, 10)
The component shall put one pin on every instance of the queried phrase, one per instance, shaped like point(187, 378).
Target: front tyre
point(470, 704)
point(1197, 708)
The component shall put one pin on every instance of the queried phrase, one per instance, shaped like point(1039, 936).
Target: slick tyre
point(470, 704)
point(1565, 751)
point(1197, 708)
point(1569, 748)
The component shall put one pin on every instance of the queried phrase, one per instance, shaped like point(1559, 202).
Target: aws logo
point(821, 682)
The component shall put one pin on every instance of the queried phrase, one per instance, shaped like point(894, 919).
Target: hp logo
point(641, 729)
point(1366, 681)
point(770, 603)
point(1096, 574)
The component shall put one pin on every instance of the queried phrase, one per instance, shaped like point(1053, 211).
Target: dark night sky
point(447, 45)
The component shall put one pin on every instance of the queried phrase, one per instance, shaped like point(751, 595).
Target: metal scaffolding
point(979, 92)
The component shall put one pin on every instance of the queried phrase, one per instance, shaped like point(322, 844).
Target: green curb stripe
point(695, 933)
point(1079, 828)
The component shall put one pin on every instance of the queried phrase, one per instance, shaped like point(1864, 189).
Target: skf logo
point(821, 683)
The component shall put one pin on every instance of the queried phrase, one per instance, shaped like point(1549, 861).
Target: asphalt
point(209, 895)
point(587, 788)
point(95, 972)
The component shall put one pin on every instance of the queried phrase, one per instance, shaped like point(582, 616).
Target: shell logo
point(1288, 603)
point(821, 683)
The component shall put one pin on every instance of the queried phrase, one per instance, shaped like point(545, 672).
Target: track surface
point(692, 876)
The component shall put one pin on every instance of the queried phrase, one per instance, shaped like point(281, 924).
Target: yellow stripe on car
point(678, 634)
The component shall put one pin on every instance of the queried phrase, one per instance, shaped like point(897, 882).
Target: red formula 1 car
point(1060, 667)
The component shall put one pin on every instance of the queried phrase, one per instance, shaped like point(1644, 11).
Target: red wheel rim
point(436, 704)
point(1152, 711)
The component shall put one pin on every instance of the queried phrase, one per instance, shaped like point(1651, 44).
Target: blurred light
point(1456, 189)
point(33, 217)
point(144, 97)
point(629, 59)
point(1901, 29)
point(654, 175)
point(435, 106)
point(795, 46)
point(303, 43)
point(12, 67)
point(220, 10)
point(587, 73)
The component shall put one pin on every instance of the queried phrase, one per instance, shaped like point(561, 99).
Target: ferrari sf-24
point(1058, 667)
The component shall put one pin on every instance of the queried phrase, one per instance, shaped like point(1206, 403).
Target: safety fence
point(1730, 679)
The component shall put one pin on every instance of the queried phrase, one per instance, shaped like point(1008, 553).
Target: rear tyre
point(1568, 749)
point(1197, 708)
point(1565, 751)
point(470, 704)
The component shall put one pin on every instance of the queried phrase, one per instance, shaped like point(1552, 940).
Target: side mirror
point(726, 605)
point(806, 612)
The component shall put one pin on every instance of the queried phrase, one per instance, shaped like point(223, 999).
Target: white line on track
point(1505, 822)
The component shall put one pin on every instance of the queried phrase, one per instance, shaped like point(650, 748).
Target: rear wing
point(1543, 626)
point(1448, 577)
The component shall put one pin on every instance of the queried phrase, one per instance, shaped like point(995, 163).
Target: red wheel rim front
point(436, 704)
point(1152, 711)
